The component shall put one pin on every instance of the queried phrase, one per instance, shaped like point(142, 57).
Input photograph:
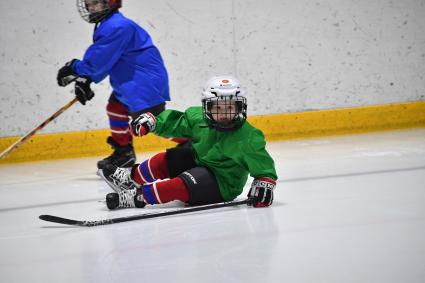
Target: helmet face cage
point(104, 8)
point(225, 113)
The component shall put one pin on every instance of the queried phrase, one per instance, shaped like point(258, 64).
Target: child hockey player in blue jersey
point(225, 150)
point(123, 51)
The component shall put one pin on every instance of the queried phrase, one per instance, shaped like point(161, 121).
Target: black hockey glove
point(261, 192)
point(83, 91)
point(143, 124)
point(66, 75)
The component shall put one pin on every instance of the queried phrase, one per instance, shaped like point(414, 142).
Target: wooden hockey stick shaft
point(8, 150)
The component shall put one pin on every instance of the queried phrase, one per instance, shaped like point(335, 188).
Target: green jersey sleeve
point(256, 158)
point(173, 123)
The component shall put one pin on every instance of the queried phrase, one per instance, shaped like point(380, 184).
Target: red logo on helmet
point(225, 81)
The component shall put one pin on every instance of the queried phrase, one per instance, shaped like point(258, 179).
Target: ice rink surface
point(347, 209)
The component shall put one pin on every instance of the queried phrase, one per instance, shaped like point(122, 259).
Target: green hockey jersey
point(231, 156)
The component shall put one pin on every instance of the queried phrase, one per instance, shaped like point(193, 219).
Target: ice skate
point(119, 179)
point(123, 156)
point(125, 199)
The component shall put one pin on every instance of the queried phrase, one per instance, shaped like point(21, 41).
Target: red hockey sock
point(151, 169)
point(118, 122)
point(165, 191)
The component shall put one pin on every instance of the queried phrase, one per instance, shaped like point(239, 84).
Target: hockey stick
point(36, 129)
point(60, 220)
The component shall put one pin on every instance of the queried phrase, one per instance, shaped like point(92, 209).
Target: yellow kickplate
point(274, 127)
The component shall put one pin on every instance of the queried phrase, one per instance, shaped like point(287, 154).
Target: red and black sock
point(118, 122)
point(165, 191)
point(151, 169)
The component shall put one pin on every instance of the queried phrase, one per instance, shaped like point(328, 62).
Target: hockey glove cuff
point(261, 192)
point(66, 75)
point(83, 91)
point(143, 124)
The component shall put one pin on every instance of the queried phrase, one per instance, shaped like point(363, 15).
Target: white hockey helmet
point(224, 90)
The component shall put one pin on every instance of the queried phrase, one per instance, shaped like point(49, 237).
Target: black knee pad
point(179, 159)
point(202, 185)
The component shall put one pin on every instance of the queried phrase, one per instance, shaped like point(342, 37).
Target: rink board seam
point(275, 127)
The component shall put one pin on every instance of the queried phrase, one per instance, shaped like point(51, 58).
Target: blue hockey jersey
point(125, 52)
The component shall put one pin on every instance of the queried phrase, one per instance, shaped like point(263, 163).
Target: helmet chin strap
point(226, 127)
point(97, 17)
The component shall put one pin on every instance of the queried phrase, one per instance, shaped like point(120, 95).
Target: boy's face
point(94, 6)
point(223, 111)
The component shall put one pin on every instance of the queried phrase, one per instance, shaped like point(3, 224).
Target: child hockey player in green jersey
point(225, 150)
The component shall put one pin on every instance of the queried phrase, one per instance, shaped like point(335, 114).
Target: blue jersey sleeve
point(109, 44)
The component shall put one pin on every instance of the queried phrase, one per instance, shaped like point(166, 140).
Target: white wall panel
point(291, 55)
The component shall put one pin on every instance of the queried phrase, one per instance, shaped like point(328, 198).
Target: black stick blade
point(60, 220)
